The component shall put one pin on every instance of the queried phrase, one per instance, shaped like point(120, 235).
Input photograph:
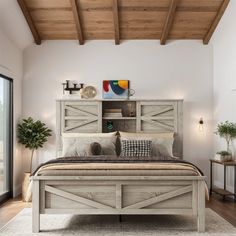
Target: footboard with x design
point(121, 195)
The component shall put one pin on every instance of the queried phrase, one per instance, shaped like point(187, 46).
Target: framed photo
point(115, 89)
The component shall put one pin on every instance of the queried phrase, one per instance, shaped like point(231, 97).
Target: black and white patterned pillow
point(136, 148)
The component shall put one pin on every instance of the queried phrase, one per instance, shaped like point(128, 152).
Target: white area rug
point(110, 225)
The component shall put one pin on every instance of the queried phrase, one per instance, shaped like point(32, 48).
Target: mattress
point(117, 166)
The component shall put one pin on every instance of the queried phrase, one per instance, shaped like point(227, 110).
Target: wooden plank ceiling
point(123, 19)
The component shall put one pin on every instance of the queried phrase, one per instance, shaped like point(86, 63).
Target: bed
point(114, 185)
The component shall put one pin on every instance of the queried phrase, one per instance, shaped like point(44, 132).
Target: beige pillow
point(79, 144)
point(162, 143)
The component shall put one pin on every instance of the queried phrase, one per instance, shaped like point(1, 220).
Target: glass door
point(5, 138)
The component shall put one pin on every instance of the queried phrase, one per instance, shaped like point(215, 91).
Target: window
point(5, 137)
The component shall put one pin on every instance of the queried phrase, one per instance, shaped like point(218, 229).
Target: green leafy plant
point(32, 134)
point(227, 130)
point(224, 153)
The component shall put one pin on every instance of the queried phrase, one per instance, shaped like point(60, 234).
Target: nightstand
point(223, 192)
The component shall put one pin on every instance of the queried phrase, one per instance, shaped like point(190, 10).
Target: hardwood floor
point(226, 209)
point(10, 209)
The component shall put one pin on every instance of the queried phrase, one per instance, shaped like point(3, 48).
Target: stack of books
point(113, 112)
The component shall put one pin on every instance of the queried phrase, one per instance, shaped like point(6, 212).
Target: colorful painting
point(115, 89)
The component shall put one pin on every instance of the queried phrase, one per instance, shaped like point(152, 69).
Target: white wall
point(225, 81)
point(14, 25)
point(179, 70)
point(11, 64)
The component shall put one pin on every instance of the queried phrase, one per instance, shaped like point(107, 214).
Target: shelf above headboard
point(149, 116)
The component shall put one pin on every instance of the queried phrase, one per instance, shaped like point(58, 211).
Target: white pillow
point(79, 144)
point(162, 143)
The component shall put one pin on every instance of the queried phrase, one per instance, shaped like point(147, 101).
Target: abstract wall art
point(115, 89)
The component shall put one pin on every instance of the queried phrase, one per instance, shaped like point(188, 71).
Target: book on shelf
point(113, 112)
point(112, 115)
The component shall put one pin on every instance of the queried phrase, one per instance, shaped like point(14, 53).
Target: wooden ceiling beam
point(148, 8)
point(30, 22)
point(75, 9)
point(215, 22)
point(169, 21)
point(116, 21)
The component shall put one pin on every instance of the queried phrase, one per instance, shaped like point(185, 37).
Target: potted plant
point(226, 130)
point(32, 134)
point(223, 156)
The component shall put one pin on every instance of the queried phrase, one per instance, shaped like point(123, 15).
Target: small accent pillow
point(162, 143)
point(136, 148)
point(96, 149)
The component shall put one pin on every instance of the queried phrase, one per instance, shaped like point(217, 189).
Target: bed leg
point(201, 207)
point(120, 218)
point(35, 207)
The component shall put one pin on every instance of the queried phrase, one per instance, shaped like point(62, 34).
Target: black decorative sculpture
point(66, 87)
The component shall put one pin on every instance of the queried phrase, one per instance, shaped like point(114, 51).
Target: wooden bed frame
point(119, 195)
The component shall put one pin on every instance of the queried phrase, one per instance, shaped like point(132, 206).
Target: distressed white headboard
point(155, 116)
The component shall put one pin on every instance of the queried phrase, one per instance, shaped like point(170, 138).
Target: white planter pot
point(220, 157)
point(25, 187)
